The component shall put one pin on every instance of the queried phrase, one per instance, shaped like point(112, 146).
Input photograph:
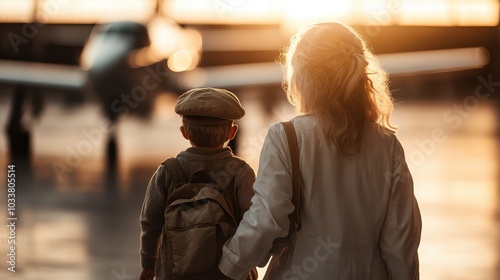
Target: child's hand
point(147, 274)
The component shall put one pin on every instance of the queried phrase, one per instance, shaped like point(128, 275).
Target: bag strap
point(230, 191)
point(282, 257)
point(293, 147)
point(176, 174)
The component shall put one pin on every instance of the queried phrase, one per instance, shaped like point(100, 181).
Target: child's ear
point(184, 133)
point(232, 132)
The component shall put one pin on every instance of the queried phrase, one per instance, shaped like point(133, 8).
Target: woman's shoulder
point(380, 136)
point(302, 125)
point(302, 122)
point(389, 143)
point(307, 126)
point(377, 130)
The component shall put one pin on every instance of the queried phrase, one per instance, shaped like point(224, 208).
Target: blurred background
point(87, 90)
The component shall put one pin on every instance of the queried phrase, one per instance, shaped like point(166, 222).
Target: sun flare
point(291, 12)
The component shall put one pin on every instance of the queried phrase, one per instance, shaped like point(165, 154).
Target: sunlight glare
point(223, 11)
point(298, 13)
point(165, 36)
point(183, 60)
point(292, 12)
point(369, 9)
point(425, 12)
point(16, 11)
point(373, 5)
point(468, 12)
point(94, 11)
point(192, 39)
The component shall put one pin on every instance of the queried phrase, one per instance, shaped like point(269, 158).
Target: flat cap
point(217, 105)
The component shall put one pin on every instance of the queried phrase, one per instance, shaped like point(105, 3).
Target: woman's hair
point(331, 74)
point(207, 136)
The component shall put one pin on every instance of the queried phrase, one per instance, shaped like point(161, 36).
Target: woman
point(360, 219)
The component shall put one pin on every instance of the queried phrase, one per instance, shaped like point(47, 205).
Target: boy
point(208, 116)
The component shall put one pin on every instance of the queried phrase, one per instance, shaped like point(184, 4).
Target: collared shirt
point(192, 159)
point(360, 218)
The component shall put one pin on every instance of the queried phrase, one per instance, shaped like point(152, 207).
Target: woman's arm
point(400, 234)
point(267, 218)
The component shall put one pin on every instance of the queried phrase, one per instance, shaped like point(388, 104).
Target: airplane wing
point(251, 74)
point(241, 75)
point(396, 64)
point(42, 74)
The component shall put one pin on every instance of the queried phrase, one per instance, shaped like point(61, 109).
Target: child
point(208, 116)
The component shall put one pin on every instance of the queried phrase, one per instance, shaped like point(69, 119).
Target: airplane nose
point(110, 45)
point(106, 56)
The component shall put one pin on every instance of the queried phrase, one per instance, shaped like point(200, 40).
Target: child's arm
point(152, 219)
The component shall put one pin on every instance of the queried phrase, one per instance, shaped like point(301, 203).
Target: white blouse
point(360, 218)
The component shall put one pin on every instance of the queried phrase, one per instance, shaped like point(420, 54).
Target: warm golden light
point(294, 13)
point(76, 11)
point(291, 13)
point(223, 11)
point(183, 60)
point(64, 236)
point(298, 12)
point(449, 13)
point(165, 36)
point(425, 12)
point(99, 11)
point(366, 9)
point(168, 38)
point(477, 12)
point(16, 11)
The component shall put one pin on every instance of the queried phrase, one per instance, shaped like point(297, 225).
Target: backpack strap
point(229, 189)
point(177, 176)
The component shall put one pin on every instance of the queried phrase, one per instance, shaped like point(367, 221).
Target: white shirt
point(360, 218)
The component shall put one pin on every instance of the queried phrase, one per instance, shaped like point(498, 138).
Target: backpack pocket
point(186, 246)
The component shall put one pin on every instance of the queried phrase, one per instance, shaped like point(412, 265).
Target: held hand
point(147, 274)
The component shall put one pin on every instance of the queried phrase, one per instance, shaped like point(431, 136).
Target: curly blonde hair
point(331, 74)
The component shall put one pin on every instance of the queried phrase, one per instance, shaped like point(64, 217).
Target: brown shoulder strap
point(175, 173)
point(296, 175)
point(230, 190)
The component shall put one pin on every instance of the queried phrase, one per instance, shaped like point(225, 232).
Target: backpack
point(200, 216)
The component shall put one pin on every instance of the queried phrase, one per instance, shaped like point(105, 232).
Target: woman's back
point(345, 200)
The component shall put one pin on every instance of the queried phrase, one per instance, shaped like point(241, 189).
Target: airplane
point(126, 62)
point(121, 63)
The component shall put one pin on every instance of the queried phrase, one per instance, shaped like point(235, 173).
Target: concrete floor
point(72, 226)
